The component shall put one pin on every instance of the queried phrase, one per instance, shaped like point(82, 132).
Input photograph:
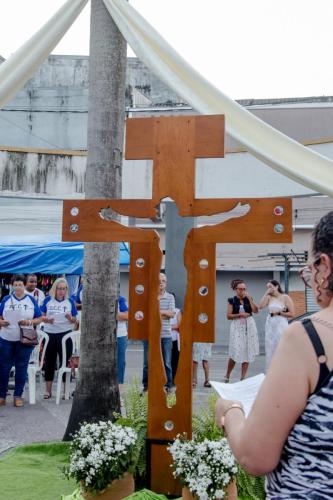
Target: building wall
point(299, 302)
point(51, 109)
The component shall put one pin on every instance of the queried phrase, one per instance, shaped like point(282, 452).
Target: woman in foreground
point(289, 433)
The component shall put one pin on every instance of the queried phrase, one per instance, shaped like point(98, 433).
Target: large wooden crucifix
point(173, 143)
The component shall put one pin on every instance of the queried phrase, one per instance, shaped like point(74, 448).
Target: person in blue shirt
point(78, 297)
point(17, 309)
point(122, 318)
point(60, 316)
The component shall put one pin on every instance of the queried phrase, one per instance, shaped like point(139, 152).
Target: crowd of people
point(59, 314)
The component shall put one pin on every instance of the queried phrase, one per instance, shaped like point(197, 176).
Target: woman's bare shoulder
point(295, 328)
point(294, 335)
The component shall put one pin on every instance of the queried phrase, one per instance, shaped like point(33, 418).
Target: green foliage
point(171, 400)
point(136, 416)
point(250, 487)
point(146, 495)
point(203, 423)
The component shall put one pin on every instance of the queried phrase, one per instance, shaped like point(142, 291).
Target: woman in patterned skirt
point(288, 434)
point(243, 341)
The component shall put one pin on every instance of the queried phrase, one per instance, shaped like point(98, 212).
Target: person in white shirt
point(60, 316)
point(17, 309)
point(167, 311)
point(31, 289)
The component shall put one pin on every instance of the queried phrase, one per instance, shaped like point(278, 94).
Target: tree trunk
point(97, 394)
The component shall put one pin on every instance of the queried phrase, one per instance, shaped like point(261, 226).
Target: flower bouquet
point(205, 467)
point(102, 458)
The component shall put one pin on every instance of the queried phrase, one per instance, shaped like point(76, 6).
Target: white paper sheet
point(245, 391)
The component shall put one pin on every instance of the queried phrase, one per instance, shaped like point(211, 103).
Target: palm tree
point(97, 394)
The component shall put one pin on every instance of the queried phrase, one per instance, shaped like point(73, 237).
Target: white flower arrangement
point(101, 452)
point(205, 467)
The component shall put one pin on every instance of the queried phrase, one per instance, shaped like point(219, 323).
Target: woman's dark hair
point(18, 277)
point(234, 284)
point(276, 283)
point(322, 241)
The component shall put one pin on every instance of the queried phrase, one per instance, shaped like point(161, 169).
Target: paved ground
point(46, 421)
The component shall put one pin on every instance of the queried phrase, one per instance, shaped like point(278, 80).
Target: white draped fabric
point(19, 67)
point(283, 154)
point(266, 143)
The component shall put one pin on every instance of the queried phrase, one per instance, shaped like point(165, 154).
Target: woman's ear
point(325, 265)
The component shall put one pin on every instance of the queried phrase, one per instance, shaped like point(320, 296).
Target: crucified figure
point(173, 143)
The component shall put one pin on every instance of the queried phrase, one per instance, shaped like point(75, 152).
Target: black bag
point(28, 336)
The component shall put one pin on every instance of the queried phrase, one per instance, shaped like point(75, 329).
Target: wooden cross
point(173, 143)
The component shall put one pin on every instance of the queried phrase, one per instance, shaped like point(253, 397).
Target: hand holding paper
point(245, 391)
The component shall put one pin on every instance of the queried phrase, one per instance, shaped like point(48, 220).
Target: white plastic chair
point(63, 369)
point(36, 364)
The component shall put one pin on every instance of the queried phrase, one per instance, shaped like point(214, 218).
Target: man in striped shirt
point(167, 311)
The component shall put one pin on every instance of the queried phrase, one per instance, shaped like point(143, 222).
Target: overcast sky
point(247, 48)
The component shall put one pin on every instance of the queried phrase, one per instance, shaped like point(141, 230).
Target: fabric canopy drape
point(49, 258)
point(19, 67)
point(266, 143)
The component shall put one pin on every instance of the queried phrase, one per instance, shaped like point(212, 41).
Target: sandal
point(47, 395)
point(226, 380)
point(18, 402)
point(207, 384)
point(194, 384)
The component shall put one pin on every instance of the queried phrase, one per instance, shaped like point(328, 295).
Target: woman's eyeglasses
point(306, 272)
point(241, 289)
point(306, 275)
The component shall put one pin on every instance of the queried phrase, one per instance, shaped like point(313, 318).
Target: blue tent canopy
point(50, 258)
